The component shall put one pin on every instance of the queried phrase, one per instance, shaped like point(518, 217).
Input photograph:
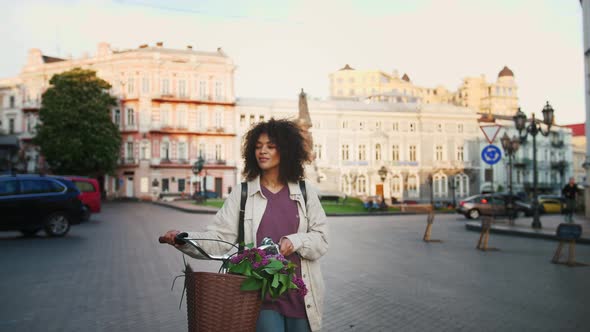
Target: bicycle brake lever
point(179, 239)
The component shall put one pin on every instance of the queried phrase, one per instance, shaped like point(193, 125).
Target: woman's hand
point(170, 236)
point(286, 247)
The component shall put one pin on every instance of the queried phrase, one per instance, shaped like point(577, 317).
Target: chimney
point(143, 46)
point(160, 44)
point(104, 49)
point(189, 47)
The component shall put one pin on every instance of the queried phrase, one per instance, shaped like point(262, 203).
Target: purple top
point(281, 218)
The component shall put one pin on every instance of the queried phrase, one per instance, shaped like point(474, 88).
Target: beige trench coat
point(310, 242)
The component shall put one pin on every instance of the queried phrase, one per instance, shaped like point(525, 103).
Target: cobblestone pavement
point(111, 275)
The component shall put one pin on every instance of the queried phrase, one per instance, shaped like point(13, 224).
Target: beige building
point(498, 98)
point(173, 106)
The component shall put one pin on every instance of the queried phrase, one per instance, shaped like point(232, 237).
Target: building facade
point(586, 27)
point(384, 148)
point(497, 98)
point(173, 106)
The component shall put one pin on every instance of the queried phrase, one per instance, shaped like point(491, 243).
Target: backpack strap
point(303, 190)
point(243, 199)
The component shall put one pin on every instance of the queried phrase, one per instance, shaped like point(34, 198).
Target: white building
point(354, 140)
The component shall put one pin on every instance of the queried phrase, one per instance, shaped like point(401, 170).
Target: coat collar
point(294, 189)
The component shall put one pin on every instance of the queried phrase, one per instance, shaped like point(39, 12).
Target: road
point(111, 275)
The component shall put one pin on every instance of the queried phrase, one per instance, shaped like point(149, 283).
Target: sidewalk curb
point(372, 214)
point(178, 208)
point(473, 226)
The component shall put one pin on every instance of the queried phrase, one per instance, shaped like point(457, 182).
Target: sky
point(281, 46)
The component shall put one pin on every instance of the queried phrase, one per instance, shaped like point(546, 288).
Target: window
point(395, 126)
point(460, 153)
point(85, 187)
point(252, 119)
point(439, 183)
point(344, 124)
point(362, 152)
point(181, 185)
point(165, 150)
point(203, 89)
point(412, 153)
point(218, 90)
point(130, 117)
point(145, 85)
point(378, 125)
point(165, 88)
point(145, 150)
point(438, 153)
point(362, 184)
point(117, 117)
point(261, 118)
point(219, 118)
point(129, 151)
point(12, 101)
point(460, 127)
point(130, 85)
point(377, 151)
point(413, 186)
point(181, 119)
point(317, 148)
point(361, 125)
point(182, 151)
point(412, 127)
point(182, 88)
point(345, 155)
point(165, 185)
point(462, 185)
point(165, 117)
point(489, 175)
point(9, 187)
point(439, 127)
point(242, 120)
point(395, 153)
point(40, 187)
point(11, 126)
point(396, 184)
point(218, 154)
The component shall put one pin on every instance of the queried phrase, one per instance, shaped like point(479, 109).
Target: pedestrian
point(569, 193)
point(274, 155)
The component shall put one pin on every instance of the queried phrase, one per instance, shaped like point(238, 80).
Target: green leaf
point(284, 279)
point(250, 245)
point(251, 284)
point(256, 275)
point(264, 288)
point(275, 281)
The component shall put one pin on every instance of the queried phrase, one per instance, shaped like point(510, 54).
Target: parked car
point(29, 203)
point(492, 204)
point(551, 203)
point(89, 193)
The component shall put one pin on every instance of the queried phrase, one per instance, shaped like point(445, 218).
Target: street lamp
point(197, 168)
point(382, 173)
point(534, 128)
point(510, 147)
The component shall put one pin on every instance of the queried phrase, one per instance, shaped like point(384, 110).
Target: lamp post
point(510, 147)
point(534, 128)
point(197, 168)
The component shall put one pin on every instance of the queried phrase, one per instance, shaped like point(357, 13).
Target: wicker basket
point(216, 303)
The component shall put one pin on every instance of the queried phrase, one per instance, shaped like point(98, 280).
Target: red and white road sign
point(490, 132)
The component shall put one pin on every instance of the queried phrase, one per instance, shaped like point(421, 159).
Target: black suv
point(29, 203)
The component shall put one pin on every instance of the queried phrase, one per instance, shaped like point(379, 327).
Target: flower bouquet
point(266, 271)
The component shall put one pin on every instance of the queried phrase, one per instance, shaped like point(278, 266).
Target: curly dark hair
point(290, 143)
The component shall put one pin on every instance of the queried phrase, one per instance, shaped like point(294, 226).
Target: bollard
point(568, 233)
point(484, 236)
point(429, 222)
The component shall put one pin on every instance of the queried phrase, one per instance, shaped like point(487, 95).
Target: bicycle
point(214, 300)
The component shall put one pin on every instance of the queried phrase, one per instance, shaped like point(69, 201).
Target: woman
point(274, 154)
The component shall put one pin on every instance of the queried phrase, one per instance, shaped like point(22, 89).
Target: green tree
point(76, 134)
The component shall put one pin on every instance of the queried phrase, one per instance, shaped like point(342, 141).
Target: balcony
point(557, 144)
point(559, 165)
point(522, 163)
point(215, 162)
point(31, 106)
point(201, 99)
point(128, 161)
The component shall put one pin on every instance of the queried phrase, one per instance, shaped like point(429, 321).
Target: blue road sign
point(491, 154)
